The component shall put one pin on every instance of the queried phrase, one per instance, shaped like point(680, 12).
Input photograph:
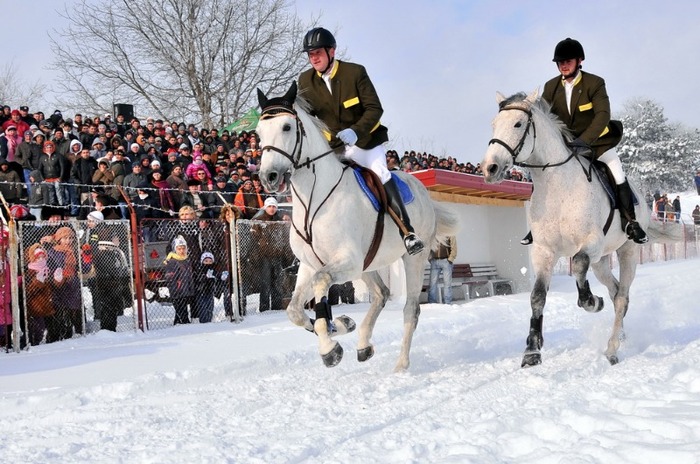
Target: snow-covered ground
point(257, 392)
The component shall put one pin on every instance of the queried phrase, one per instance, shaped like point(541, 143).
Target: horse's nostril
point(492, 169)
point(272, 177)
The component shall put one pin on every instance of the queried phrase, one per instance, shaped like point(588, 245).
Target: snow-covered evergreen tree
point(657, 155)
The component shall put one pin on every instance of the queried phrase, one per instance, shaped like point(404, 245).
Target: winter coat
point(23, 156)
point(132, 182)
point(51, 167)
point(82, 172)
point(36, 193)
point(179, 276)
point(211, 285)
point(10, 185)
point(248, 202)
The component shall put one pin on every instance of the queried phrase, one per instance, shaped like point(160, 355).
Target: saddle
point(373, 188)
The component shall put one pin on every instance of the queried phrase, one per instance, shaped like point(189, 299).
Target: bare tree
point(198, 61)
point(15, 91)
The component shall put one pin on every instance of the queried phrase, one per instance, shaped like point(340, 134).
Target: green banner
point(247, 122)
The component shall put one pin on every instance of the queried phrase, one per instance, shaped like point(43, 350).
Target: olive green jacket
point(353, 104)
point(590, 118)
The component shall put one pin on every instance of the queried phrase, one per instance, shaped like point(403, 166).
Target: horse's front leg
point(303, 293)
point(586, 299)
point(331, 351)
point(543, 261)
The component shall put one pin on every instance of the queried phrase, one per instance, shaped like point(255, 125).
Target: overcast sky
point(437, 65)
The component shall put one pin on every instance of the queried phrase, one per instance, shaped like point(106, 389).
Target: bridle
point(295, 156)
point(515, 152)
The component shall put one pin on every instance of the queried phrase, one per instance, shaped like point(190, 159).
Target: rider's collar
point(330, 73)
point(576, 80)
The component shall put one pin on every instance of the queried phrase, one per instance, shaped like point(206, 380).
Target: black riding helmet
point(568, 49)
point(318, 37)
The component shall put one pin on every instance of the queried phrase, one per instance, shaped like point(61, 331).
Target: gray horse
point(567, 215)
point(333, 224)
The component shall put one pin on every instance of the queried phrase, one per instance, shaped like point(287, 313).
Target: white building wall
point(488, 234)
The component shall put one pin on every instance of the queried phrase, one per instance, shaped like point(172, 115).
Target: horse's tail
point(665, 232)
point(446, 222)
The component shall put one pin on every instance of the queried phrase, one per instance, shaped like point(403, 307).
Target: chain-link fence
point(263, 254)
point(76, 278)
point(188, 266)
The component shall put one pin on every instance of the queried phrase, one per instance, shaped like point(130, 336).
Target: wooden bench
point(474, 280)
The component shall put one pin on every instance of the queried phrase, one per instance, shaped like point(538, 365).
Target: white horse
point(568, 214)
point(333, 225)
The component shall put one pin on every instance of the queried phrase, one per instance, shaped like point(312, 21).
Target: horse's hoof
point(365, 353)
point(531, 359)
point(613, 360)
point(334, 356)
point(343, 325)
point(593, 305)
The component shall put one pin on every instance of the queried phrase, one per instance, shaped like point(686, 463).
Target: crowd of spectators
point(79, 163)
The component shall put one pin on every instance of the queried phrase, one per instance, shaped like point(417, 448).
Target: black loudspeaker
point(126, 110)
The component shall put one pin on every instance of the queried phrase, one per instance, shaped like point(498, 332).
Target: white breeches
point(613, 162)
point(374, 159)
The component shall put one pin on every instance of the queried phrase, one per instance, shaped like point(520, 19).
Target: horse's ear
point(291, 94)
point(499, 97)
point(532, 98)
point(262, 99)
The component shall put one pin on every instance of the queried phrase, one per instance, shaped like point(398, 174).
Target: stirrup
point(413, 244)
point(635, 233)
point(527, 240)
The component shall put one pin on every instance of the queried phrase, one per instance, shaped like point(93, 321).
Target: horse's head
point(280, 138)
point(513, 137)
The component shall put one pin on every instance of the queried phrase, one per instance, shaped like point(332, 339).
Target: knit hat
point(96, 216)
point(19, 211)
point(206, 255)
point(270, 201)
point(179, 241)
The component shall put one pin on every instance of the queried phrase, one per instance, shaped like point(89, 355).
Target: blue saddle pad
point(404, 190)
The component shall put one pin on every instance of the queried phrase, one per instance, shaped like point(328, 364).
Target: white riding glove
point(348, 136)
point(210, 274)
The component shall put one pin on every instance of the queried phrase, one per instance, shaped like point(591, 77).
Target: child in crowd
point(180, 278)
point(209, 285)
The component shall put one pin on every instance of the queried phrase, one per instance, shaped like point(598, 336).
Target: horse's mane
point(304, 107)
point(541, 105)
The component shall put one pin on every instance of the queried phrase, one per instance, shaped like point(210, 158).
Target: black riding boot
point(414, 245)
point(527, 240)
point(629, 221)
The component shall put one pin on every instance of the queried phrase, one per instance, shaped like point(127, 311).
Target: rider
point(343, 97)
point(580, 100)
